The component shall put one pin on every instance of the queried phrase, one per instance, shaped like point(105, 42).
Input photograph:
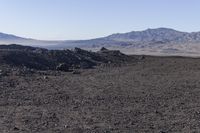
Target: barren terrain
point(156, 94)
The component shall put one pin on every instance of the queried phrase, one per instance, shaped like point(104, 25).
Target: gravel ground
point(157, 94)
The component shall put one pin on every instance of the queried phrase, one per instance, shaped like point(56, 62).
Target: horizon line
point(32, 38)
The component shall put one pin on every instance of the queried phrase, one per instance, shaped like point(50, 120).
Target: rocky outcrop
point(61, 60)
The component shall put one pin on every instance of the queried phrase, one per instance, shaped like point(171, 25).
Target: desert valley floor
point(156, 94)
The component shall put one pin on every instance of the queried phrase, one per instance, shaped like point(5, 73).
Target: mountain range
point(12, 39)
point(160, 41)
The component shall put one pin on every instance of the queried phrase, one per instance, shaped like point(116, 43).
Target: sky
point(86, 19)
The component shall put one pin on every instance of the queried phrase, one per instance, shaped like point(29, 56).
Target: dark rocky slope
point(65, 60)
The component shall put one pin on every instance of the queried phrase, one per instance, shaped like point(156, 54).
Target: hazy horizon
point(78, 20)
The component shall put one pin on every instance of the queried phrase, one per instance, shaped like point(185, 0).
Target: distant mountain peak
point(149, 35)
point(162, 28)
point(13, 39)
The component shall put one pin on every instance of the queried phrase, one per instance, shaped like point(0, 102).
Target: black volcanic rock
point(63, 67)
point(103, 49)
point(62, 60)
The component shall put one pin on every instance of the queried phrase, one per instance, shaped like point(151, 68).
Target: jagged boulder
point(103, 49)
point(76, 72)
point(63, 67)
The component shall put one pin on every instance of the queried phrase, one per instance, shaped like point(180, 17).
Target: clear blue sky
point(85, 19)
